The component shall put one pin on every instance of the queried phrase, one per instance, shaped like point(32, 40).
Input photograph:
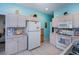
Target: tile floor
point(45, 49)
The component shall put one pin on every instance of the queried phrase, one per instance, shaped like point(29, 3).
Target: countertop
point(16, 36)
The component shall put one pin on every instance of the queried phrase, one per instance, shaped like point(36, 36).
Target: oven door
point(62, 42)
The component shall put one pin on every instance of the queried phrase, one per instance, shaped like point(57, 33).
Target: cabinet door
point(76, 20)
point(11, 46)
point(11, 20)
point(21, 21)
point(22, 43)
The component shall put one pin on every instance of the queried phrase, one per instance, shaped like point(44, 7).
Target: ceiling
point(47, 8)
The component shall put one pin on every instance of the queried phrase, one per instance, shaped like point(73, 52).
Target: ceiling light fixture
point(46, 9)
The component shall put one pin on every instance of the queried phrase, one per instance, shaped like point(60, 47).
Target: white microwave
point(65, 25)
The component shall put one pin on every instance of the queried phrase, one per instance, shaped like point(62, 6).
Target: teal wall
point(70, 8)
point(11, 8)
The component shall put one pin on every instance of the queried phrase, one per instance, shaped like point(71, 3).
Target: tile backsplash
point(19, 31)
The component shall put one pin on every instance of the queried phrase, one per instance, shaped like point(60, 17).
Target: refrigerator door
point(33, 26)
point(33, 40)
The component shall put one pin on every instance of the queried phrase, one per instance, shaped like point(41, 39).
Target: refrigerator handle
point(27, 41)
point(26, 23)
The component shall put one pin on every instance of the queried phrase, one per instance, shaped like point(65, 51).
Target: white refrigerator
point(33, 33)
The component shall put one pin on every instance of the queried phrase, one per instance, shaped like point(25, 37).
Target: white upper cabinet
point(11, 20)
point(76, 20)
point(21, 21)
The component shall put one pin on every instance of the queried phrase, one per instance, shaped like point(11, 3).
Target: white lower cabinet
point(11, 46)
point(14, 45)
point(22, 43)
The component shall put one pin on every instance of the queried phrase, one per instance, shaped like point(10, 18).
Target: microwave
point(65, 25)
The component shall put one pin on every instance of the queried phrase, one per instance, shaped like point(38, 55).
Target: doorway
point(42, 36)
point(2, 33)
